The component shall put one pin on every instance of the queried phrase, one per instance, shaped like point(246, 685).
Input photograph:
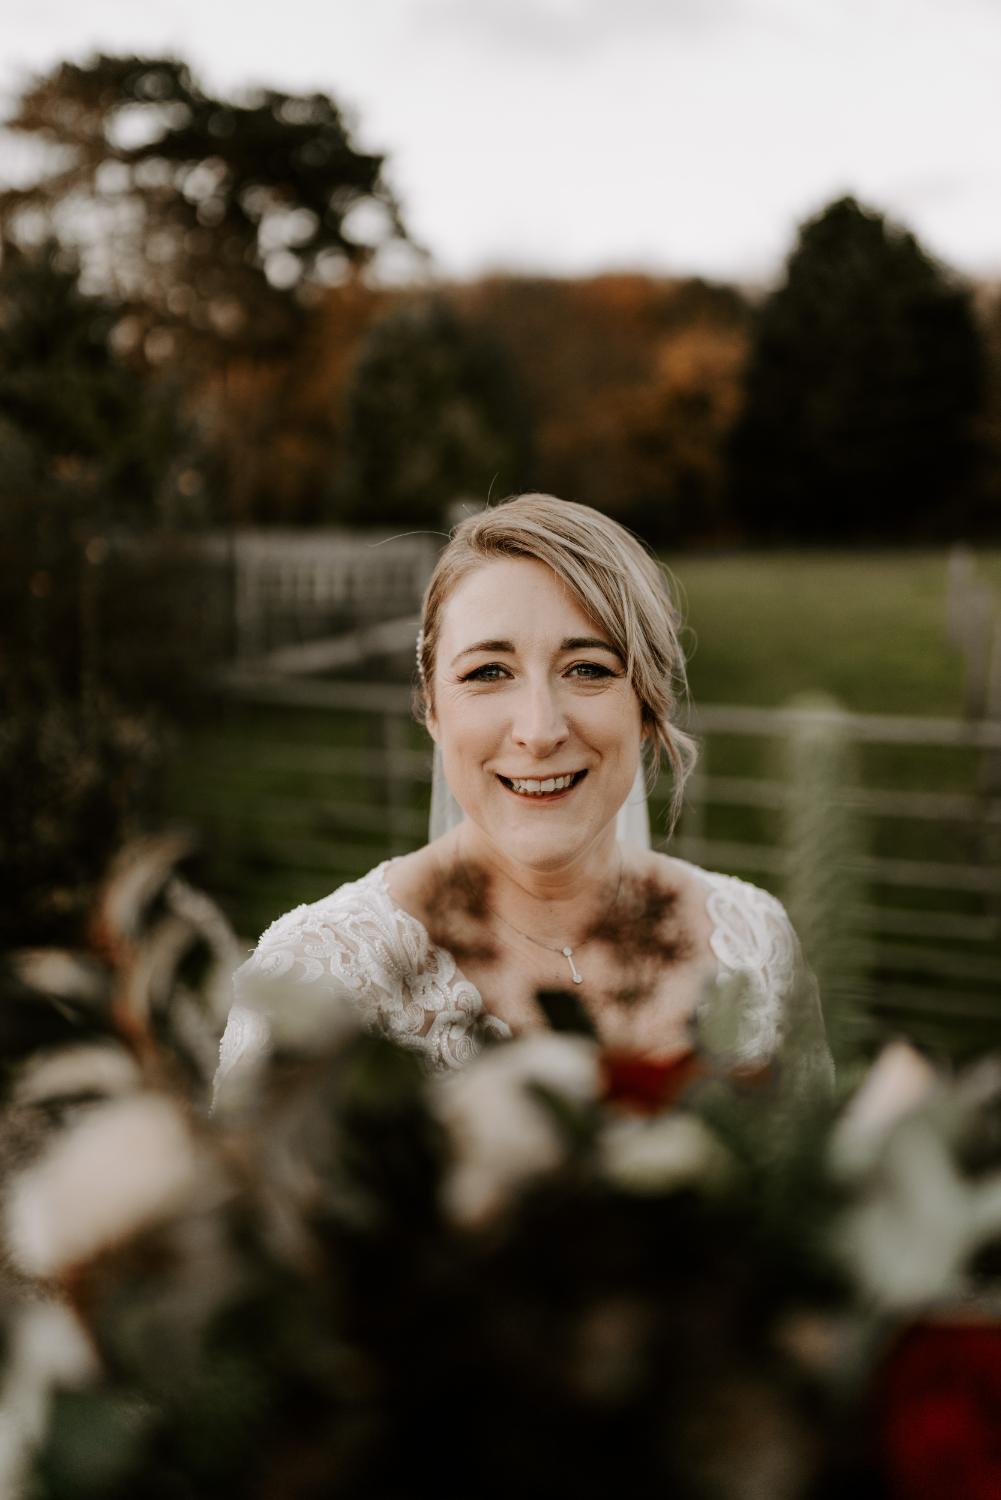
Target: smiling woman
point(545, 702)
point(549, 673)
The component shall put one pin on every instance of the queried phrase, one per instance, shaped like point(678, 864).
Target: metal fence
point(921, 885)
point(922, 862)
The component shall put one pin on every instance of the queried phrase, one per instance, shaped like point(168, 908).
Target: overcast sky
point(585, 135)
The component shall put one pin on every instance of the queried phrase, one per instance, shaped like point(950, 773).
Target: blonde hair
point(616, 581)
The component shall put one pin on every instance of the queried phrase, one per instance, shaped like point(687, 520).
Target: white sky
point(583, 135)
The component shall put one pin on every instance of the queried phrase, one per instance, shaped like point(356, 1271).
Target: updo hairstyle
point(614, 579)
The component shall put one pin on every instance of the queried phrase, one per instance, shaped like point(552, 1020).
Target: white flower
point(911, 1234)
point(127, 1165)
point(303, 1018)
point(274, 1010)
point(662, 1154)
point(501, 1134)
point(916, 1218)
point(46, 1348)
point(96, 1068)
point(899, 1081)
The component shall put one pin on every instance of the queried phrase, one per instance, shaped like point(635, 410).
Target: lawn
point(868, 628)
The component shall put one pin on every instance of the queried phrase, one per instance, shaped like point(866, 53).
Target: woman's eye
point(589, 670)
point(492, 672)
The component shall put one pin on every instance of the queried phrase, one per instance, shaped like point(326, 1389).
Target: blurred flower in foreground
point(647, 1085)
point(664, 1274)
point(131, 1163)
point(938, 1411)
point(500, 1121)
point(663, 1154)
point(915, 1217)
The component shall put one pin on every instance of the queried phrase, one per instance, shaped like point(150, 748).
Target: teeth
point(540, 788)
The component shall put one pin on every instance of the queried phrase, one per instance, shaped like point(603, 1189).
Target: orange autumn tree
point(634, 382)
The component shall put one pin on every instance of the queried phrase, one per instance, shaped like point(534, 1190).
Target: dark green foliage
point(89, 451)
point(864, 382)
point(434, 416)
point(211, 215)
point(75, 778)
point(76, 424)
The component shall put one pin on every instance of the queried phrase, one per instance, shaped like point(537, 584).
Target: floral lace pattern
point(358, 942)
point(781, 1015)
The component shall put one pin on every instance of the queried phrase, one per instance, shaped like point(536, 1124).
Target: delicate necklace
point(566, 951)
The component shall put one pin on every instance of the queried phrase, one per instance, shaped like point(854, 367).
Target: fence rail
point(925, 870)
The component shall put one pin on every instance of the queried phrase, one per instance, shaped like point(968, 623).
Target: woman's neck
point(550, 902)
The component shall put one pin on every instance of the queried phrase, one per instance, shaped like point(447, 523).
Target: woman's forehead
point(520, 594)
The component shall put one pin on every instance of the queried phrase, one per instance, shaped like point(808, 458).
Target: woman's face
point(538, 725)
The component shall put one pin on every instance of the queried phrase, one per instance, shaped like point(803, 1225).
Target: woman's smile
point(545, 789)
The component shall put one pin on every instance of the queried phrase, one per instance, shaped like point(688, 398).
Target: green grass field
point(868, 628)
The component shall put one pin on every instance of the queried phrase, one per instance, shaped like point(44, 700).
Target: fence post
point(822, 850)
point(973, 612)
point(973, 625)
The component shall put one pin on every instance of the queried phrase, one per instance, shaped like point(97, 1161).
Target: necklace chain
point(565, 950)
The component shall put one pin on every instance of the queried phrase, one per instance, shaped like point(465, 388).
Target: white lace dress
point(357, 942)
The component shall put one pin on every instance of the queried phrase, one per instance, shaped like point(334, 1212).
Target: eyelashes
point(485, 674)
point(581, 671)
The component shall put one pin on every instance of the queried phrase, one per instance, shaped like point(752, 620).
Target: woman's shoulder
point(754, 942)
point(694, 882)
point(733, 887)
point(748, 927)
point(348, 945)
point(364, 897)
point(356, 932)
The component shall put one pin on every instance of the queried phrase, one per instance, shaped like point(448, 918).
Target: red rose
point(647, 1084)
point(938, 1412)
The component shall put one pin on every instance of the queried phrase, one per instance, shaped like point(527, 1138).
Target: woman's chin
point(547, 835)
point(547, 848)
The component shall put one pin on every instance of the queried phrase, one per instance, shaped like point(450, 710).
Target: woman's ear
point(431, 724)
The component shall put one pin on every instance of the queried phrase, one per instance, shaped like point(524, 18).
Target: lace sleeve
point(782, 1018)
point(353, 955)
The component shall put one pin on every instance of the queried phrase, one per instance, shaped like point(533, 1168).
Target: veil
point(632, 824)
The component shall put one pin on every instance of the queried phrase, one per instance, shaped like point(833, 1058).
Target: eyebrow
point(572, 643)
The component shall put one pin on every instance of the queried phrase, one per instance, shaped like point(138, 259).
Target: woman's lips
point(556, 795)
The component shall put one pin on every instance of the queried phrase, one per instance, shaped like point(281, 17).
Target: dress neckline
point(707, 879)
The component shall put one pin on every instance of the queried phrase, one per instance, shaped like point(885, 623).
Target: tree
point(88, 448)
point(633, 383)
point(985, 517)
point(433, 415)
point(212, 219)
point(98, 436)
point(674, 435)
point(864, 381)
point(89, 453)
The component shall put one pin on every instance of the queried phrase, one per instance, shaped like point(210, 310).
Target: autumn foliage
point(244, 242)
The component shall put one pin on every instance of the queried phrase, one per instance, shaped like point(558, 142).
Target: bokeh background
point(283, 294)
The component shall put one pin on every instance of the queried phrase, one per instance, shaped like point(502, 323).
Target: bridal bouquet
point(558, 1271)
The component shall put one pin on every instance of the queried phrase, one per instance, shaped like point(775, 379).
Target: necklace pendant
point(568, 955)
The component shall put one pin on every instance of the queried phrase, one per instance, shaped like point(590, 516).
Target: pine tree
point(864, 382)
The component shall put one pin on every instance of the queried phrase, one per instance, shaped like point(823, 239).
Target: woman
point(549, 670)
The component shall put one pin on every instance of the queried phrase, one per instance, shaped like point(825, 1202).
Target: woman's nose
point(539, 724)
